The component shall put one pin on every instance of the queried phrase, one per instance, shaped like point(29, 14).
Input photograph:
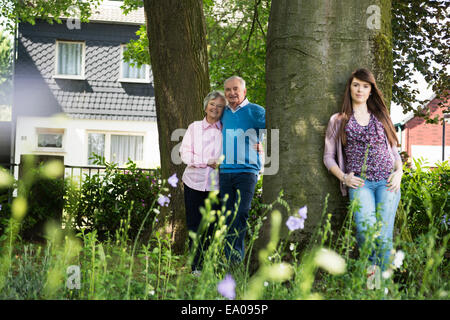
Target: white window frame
point(83, 61)
point(50, 131)
point(107, 153)
point(132, 80)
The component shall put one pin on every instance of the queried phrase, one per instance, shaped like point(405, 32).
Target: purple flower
point(302, 212)
point(444, 219)
point(163, 201)
point(294, 223)
point(173, 180)
point(227, 286)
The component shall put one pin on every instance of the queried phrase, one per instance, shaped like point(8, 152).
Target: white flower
point(330, 261)
point(151, 292)
point(266, 283)
point(291, 247)
point(398, 259)
point(387, 274)
point(279, 272)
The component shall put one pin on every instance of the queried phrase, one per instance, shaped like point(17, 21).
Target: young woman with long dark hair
point(361, 151)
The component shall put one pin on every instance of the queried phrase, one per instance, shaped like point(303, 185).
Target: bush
point(108, 199)
point(45, 202)
point(425, 195)
point(5, 210)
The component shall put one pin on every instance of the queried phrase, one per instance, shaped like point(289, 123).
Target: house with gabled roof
point(419, 139)
point(74, 95)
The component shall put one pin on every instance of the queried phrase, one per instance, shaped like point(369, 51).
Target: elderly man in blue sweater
point(239, 170)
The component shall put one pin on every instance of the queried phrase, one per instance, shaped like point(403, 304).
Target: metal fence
point(75, 173)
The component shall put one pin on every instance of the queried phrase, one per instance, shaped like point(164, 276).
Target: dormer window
point(70, 56)
point(130, 72)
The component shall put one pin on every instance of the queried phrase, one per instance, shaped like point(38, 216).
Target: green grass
point(331, 266)
point(122, 269)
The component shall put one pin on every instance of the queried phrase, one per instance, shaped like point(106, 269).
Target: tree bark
point(312, 48)
point(177, 45)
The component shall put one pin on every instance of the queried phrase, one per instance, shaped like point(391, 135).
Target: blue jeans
point(374, 196)
point(230, 183)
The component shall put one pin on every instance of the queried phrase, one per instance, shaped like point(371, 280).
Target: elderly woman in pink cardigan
point(201, 150)
point(361, 152)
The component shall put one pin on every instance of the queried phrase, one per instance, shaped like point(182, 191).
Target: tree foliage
point(15, 11)
point(237, 43)
point(5, 69)
point(420, 44)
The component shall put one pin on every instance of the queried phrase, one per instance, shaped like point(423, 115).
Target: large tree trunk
point(312, 48)
point(177, 40)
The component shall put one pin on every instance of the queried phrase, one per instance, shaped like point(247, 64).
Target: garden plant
point(112, 234)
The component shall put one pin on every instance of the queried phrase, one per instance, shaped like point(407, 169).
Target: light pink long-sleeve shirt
point(334, 150)
point(201, 142)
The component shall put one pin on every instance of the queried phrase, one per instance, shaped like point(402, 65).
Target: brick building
point(419, 139)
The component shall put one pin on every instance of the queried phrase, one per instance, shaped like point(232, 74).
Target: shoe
point(373, 277)
point(196, 273)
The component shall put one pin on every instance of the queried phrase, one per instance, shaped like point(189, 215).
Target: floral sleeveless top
point(378, 164)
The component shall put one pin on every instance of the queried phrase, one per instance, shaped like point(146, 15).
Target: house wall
point(100, 102)
point(425, 140)
point(37, 92)
point(75, 146)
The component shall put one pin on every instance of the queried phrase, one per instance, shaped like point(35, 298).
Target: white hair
point(242, 81)
point(211, 96)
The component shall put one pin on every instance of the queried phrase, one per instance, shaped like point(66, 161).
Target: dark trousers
point(230, 183)
point(193, 200)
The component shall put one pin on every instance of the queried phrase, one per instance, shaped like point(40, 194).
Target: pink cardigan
point(334, 150)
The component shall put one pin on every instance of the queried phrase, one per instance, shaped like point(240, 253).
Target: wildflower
point(227, 286)
point(302, 212)
point(398, 259)
point(445, 220)
point(152, 292)
point(387, 274)
point(294, 223)
point(266, 283)
point(163, 201)
point(173, 180)
point(280, 272)
point(292, 247)
point(330, 261)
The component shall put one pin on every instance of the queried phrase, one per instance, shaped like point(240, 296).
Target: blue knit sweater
point(240, 132)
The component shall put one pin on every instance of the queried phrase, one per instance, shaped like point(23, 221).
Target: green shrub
point(105, 199)
point(45, 202)
point(425, 195)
